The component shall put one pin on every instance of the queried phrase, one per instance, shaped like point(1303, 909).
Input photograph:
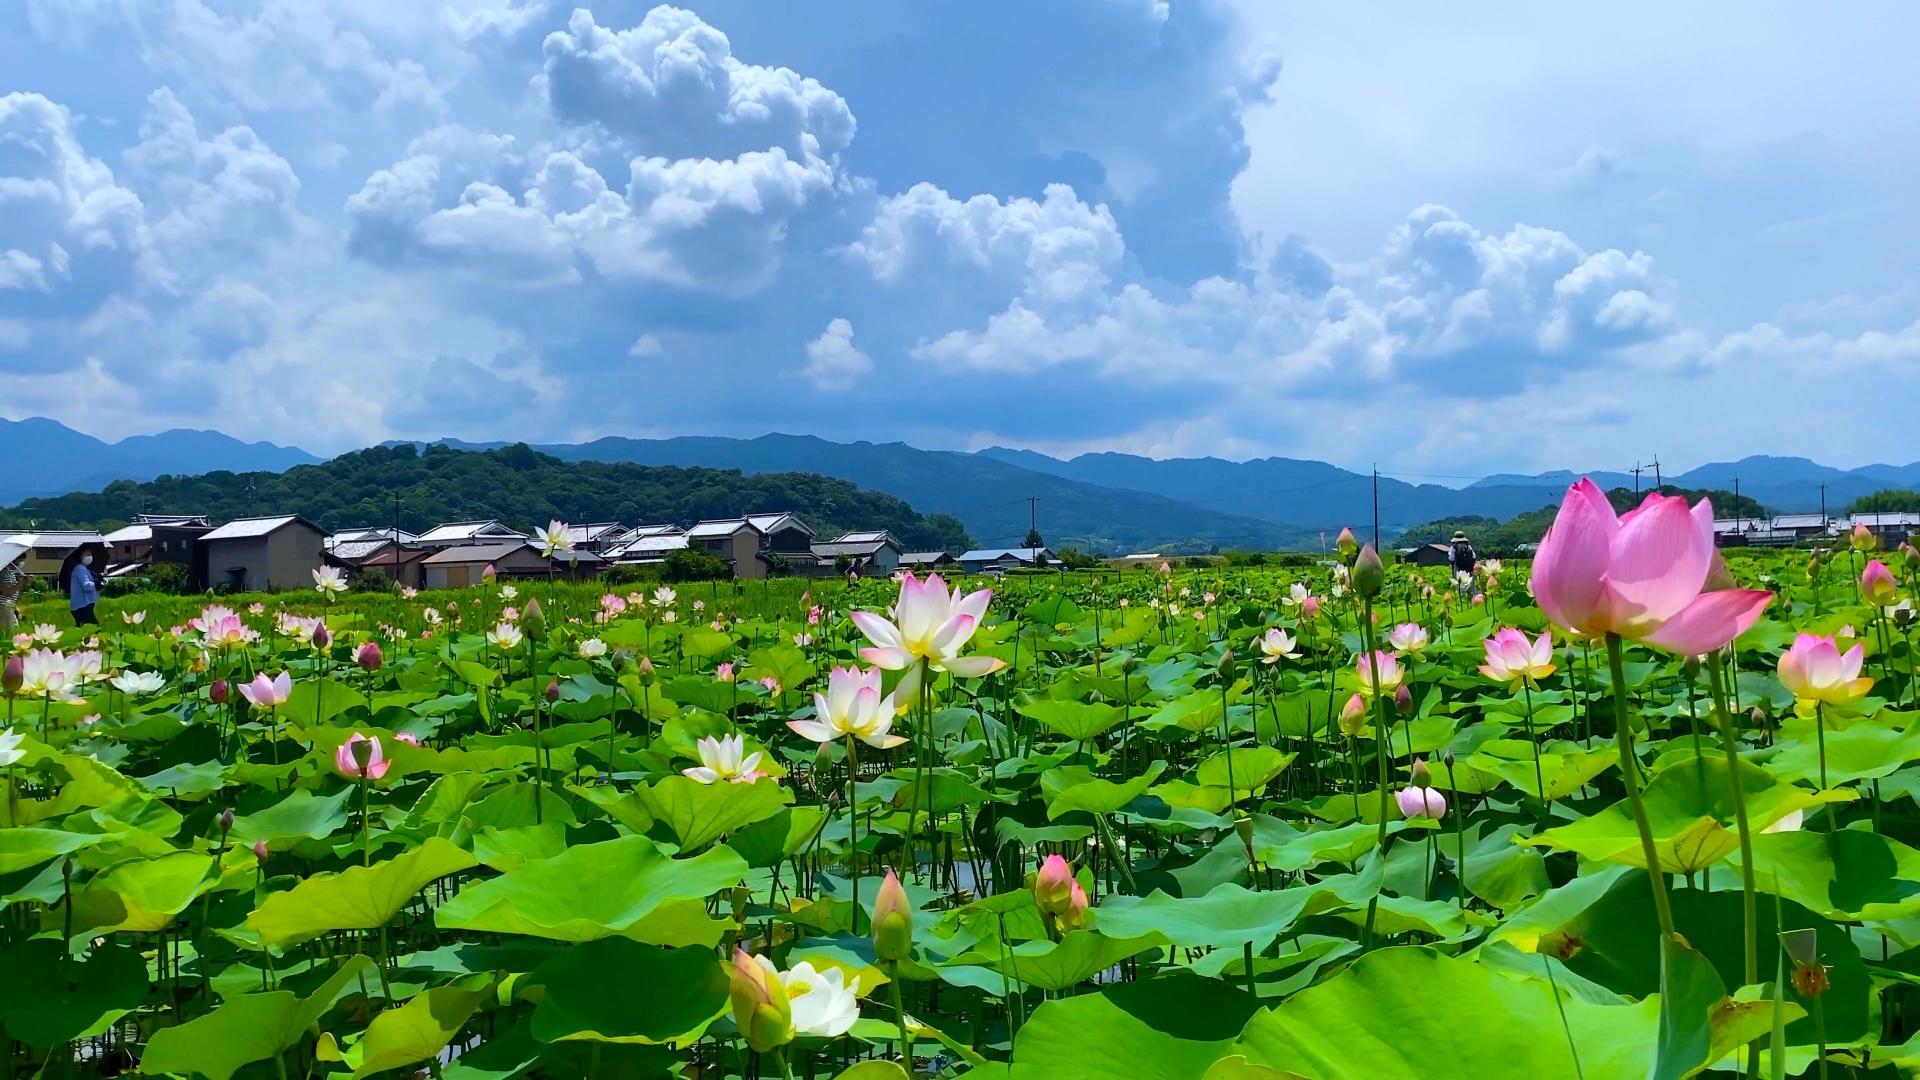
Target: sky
point(1446, 239)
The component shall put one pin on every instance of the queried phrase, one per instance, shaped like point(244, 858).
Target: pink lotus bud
point(762, 1009)
point(1877, 584)
point(724, 672)
point(1369, 573)
point(1310, 607)
point(1075, 914)
point(1403, 700)
point(1863, 539)
point(360, 756)
point(226, 821)
point(260, 851)
point(322, 637)
point(1346, 545)
point(1421, 775)
point(217, 691)
point(553, 690)
point(1053, 885)
point(892, 921)
point(1421, 802)
point(13, 675)
point(1353, 717)
point(407, 737)
point(368, 656)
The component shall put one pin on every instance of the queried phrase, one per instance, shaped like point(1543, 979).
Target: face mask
point(86, 560)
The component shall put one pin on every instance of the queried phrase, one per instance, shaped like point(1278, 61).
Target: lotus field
point(1628, 810)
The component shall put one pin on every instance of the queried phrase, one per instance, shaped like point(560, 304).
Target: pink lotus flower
point(1380, 675)
point(348, 762)
point(267, 693)
point(1814, 669)
point(1421, 802)
point(1407, 638)
point(933, 626)
point(1310, 607)
point(407, 737)
point(852, 707)
point(1053, 885)
point(1877, 584)
point(1511, 658)
point(724, 672)
point(1639, 575)
point(1075, 915)
point(725, 758)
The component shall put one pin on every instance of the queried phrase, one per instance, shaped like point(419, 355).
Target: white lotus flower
point(508, 592)
point(46, 634)
point(10, 751)
point(329, 582)
point(139, 683)
point(822, 1004)
point(44, 674)
point(664, 596)
point(555, 539)
point(725, 758)
point(592, 649)
point(505, 636)
point(1277, 645)
point(932, 625)
point(851, 707)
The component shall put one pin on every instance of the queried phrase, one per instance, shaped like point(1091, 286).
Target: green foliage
point(1888, 500)
point(692, 564)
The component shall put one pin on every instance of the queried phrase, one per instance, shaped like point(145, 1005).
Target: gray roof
point(924, 558)
point(718, 527)
point(462, 531)
point(467, 553)
point(844, 546)
point(1027, 555)
point(127, 534)
point(249, 528)
point(355, 550)
point(642, 546)
point(767, 523)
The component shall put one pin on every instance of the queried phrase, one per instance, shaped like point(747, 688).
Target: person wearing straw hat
point(1462, 556)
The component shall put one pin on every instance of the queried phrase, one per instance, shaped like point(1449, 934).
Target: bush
point(160, 577)
point(371, 581)
point(688, 564)
point(630, 575)
point(1245, 558)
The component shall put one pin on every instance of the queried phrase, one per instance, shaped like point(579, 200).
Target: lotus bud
point(1353, 717)
point(644, 667)
point(823, 757)
point(1346, 545)
point(1053, 885)
point(1863, 539)
point(761, 1009)
point(1226, 666)
point(13, 675)
point(620, 659)
point(892, 921)
point(217, 691)
point(1074, 915)
point(368, 656)
point(553, 690)
point(1369, 573)
point(1403, 700)
point(1421, 776)
point(1690, 667)
point(1910, 554)
point(1310, 607)
point(322, 637)
point(260, 851)
point(533, 620)
point(1877, 584)
point(1421, 802)
point(1759, 717)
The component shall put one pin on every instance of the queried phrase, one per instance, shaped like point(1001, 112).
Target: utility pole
point(1823, 508)
point(1657, 482)
point(1737, 515)
point(1637, 470)
point(1376, 508)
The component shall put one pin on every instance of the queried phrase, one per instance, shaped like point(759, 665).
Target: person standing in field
point(1462, 557)
point(83, 589)
point(11, 582)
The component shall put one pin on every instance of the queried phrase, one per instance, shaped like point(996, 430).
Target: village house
point(49, 550)
point(865, 553)
point(1427, 555)
point(262, 554)
point(757, 545)
point(927, 562)
point(647, 545)
point(461, 565)
point(455, 533)
point(1000, 560)
point(158, 538)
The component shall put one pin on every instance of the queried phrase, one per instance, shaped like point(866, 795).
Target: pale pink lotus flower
point(664, 596)
point(267, 693)
point(256, 608)
point(408, 592)
point(801, 641)
point(329, 582)
point(505, 636)
point(1813, 669)
point(510, 614)
point(1421, 802)
point(1511, 658)
point(227, 632)
point(1408, 639)
point(772, 684)
point(348, 764)
point(47, 674)
point(1639, 575)
point(133, 618)
point(1277, 645)
point(699, 605)
point(85, 666)
point(209, 615)
point(592, 649)
point(22, 642)
point(724, 672)
point(852, 707)
point(430, 616)
point(725, 758)
point(1877, 584)
point(932, 627)
point(407, 737)
point(1381, 674)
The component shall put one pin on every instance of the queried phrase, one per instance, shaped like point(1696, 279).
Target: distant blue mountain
point(45, 457)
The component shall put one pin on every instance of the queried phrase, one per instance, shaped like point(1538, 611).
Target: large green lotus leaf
point(143, 894)
point(1057, 965)
point(1172, 1027)
point(47, 999)
point(1499, 871)
point(443, 801)
point(699, 814)
point(504, 849)
point(874, 1069)
point(1534, 925)
point(517, 806)
point(616, 990)
point(704, 692)
point(1848, 875)
point(246, 1028)
point(765, 843)
point(1075, 719)
point(414, 1032)
point(1691, 812)
point(628, 808)
point(300, 816)
point(1414, 1012)
point(1252, 768)
point(358, 898)
point(22, 848)
point(190, 782)
point(617, 888)
point(329, 697)
point(1566, 768)
point(1074, 787)
point(1230, 915)
point(1614, 942)
point(707, 644)
point(943, 791)
point(1196, 711)
point(1281, 846)
point(1864, 750)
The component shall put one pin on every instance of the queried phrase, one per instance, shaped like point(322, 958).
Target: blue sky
point(1445, 239)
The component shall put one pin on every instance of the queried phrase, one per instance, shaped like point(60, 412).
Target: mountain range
point(1101, 501)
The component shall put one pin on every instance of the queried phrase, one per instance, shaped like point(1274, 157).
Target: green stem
point(1749, 895)
point(1383, 749)
point(900, 1011)
point(1630, 775)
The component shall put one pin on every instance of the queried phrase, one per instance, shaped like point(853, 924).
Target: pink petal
point(972, 667)
point(1569, 571)
point(889, 659)
point(1711, 621)
point(811, 729)
point(877, 629)
point(1658, 565)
